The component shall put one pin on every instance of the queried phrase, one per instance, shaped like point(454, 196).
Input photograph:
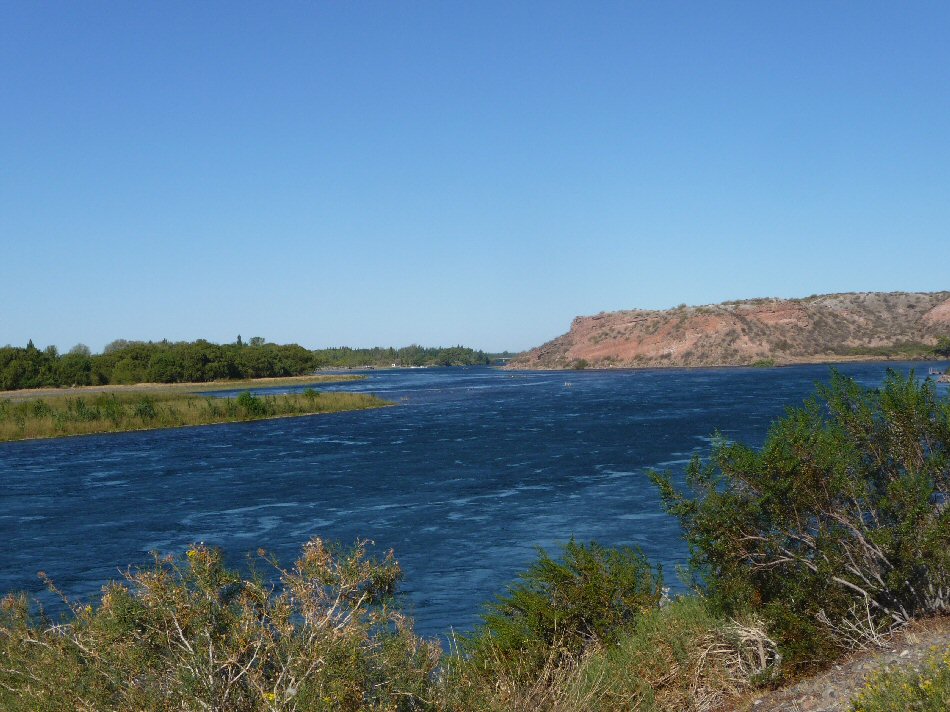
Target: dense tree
point(123, 361)
point(74, 369)
point(26, 368)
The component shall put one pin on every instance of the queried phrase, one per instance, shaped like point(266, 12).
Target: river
point(473, 471)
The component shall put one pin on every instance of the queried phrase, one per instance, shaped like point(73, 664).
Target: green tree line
point(199, 361)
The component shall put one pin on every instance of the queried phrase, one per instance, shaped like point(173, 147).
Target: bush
point(41, 409)
point(252, 406)
point(145, 409)
point(111, 408)
point(191, 634)
point(679, 657)
point(82, 412)
point(926, 690)
point(559, 608)
point(838, 529)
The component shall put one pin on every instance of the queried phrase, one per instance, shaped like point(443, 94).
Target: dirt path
point(832, 690)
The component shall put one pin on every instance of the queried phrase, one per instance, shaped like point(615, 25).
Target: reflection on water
point(472, 472)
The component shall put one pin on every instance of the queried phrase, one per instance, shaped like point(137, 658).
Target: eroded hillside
point(818, 328)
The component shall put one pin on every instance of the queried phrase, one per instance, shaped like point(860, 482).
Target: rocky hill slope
point(829, 327)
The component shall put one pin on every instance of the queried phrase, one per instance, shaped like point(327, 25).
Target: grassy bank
point(166, 407)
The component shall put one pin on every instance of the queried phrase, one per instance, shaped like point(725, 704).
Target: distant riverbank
point(192, 387)
point(53, 413)
point(581, 365)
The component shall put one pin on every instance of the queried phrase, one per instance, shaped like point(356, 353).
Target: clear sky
point(356, 173)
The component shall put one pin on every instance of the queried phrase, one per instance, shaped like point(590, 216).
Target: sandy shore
point(28, 393)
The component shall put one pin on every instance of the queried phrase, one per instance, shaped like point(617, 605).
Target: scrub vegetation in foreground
point(58, 416)
point(924, 690)
point(826, 540)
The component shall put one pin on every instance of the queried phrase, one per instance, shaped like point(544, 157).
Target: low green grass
point(59, 416)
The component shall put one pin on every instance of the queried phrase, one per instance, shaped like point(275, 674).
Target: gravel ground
point(832, 690)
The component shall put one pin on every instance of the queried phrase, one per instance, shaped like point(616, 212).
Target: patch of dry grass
point(679, 657)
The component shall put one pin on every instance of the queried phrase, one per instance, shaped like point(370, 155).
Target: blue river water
point(472, 471)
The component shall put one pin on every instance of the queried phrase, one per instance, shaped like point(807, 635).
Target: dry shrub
point(684, 658)
point(193, 635)
point(731, 659)
point(515, 686)
point(676, 658)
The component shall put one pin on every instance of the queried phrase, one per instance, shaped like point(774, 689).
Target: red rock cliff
point(820, 328)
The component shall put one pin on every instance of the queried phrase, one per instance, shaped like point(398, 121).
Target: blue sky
point(445, 172)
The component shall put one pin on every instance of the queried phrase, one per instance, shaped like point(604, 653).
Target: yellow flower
point(270, 696)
